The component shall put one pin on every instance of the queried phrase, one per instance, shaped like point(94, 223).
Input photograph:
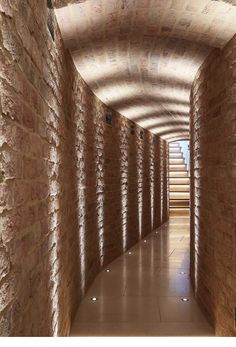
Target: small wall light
point(132, 129)
point(109, 118)
point(94, 298)
point(108, 270)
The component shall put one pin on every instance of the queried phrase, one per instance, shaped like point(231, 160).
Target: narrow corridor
point(94, 97)
point(142, 294)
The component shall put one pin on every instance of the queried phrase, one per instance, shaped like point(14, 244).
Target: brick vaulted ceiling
point(140, 56)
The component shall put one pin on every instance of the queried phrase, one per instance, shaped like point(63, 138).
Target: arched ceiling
point(140, 56)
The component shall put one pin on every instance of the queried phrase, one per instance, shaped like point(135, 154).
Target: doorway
point(179, 178)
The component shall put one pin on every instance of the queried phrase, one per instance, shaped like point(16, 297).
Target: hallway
point(141, 295)
point(100, 101)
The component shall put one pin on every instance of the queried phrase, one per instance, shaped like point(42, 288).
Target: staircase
point(178, 182)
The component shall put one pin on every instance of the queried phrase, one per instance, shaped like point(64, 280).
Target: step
point(179, 180)
point(179, 212)
point(176, 156)
point(179, 203)
point(174, 145)
point(179, 196)
point(179, 188)
point(175, 150)
point(177, 161)
point(178, 174)
point(179, 167)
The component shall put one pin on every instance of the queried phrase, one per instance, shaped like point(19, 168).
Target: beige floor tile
point(173, 309)
point(180, 329)
point(116, 310)
point(141, 296)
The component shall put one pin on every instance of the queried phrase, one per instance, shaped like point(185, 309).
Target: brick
point(212, 190)
point(6, 293)
point(11, 104)
point(4, 263)
point(63, 172)
point(5, 329)
point(11, 163)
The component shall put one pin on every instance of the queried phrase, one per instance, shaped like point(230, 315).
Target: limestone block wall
point(213, 194)
point(75, 191)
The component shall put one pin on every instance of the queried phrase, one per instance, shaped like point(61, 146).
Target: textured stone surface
point(213, 160)
point(140, 56)
point(75, 192)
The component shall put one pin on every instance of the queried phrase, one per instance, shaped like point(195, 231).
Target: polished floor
point(143, 293)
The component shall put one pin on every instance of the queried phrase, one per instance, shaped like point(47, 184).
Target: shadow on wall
point(113, 183)
point(213, 265)
point(71, 195)
point(36, 229)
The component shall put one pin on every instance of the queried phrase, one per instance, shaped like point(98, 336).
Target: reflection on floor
point(143, 293)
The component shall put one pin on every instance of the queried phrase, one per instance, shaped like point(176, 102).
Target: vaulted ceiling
point(140, 56)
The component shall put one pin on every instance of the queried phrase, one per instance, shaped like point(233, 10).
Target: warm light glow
point(140, 186)
point(151, 170)
point(54, 222)
point(124, 166)
point(161, 184)
point(155, 123)
point(114, 46)
point(100, 185)
point(81, 204)
point(118, 93)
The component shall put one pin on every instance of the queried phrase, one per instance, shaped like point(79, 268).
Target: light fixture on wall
point(132, 129)
point(130, 253)
point(109, 118)
point(108, 270)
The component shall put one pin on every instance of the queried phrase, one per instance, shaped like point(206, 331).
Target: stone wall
point(75, 191)
point(213, 160)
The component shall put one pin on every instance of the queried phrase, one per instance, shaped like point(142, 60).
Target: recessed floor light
point(108, 270)
point(185, 299)
point(94, 298)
